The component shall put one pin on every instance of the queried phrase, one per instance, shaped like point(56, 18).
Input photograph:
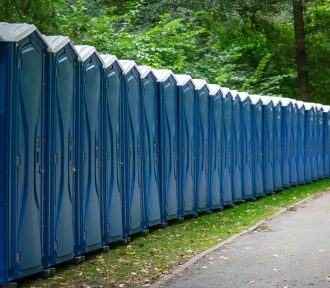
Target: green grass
point(148, 258)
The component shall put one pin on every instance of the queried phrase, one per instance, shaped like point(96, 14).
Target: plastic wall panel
point(277, 168)
point(301, 146)
point(286, 144)
point(268, 148)
point(294, 147)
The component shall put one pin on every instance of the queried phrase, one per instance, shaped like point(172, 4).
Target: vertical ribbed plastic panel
point(202, 134)
point(315, 144)
point(286, 140)
point(294, 145)
point(320, 141)
point(62, 107)
point(215, 146)
point(237, 148)
point(132, 148)
point(309, 120)
point(277, 159)
point(301, 143)
point(22, 140)
point(227, 147)
point(268, 155)
point(113, 169)
point(246, 140)
point(169, 141)
point(326, 113)
point(257, 144)
point(150, 148)
point(187, 143)
point(89, 197)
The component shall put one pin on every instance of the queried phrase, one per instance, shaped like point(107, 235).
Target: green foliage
point(245, 45)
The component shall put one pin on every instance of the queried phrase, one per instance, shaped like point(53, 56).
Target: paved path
point(292, 250)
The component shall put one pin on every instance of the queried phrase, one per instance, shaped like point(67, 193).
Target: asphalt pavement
point(291, 250)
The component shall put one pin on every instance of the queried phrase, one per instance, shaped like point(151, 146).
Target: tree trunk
point(301, 57)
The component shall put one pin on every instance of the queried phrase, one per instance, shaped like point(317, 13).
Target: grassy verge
point(148, 258)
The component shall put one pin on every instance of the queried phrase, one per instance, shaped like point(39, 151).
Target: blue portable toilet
point(301, 142)
point(268, 155)
point(23, 141)
point(112, 154)
point(237, 148)
point(187, 144)
point(202, 135)
point(309, 143)
point(277, 149)
point(294, 145)
point(315, 144)
point(326, 113)
point(227, 147)
point(286, 140)
point(150, 148)
point(168, 143)
point(132, 148)
point(62, 155)
point(320, 140)
point(257, 145)
point(246, 141)
point(215, 149)
point(89, 198)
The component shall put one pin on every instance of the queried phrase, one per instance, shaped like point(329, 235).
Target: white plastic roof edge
point(318, 106)
point(56, 43)
point(145, 70)
point(108, 60)
point(85, 51)
point(266, 100)
point(308, 105)
point(199, 83)
point(300, 104)
point(213, 89)
point(286, 101)
point(233, 93)
point(128, 65)
point(243, 96)
point(276, 100)
point(326, 108)
point(182, 79)
point(162, 74)
point(255, 98)
point(224, 91)
point(14, 32)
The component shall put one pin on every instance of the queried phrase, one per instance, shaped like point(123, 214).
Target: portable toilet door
point(62, 157)
point(286, 140)
point(150, 148)
point(277, 149)
point(257, 144)
point(113, 169)
point(187, 143)
point(268, 143)
point(320, 141)
point(202, 136)
point(89, 199)
point(315, 144)
point(301, 143)
point(132, 141)
point(237, 148)
point(227, 147)
point(309, 126)
point(246, 140)
point(326, 114)
point(215, 146)
point(294, 145)
point(169, 141)
point(22, 141)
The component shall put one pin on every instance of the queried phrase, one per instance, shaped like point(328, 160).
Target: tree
point(301, 56)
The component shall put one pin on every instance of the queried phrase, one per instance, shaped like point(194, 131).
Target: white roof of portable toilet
point(56, 43)
point(85, 51)
point(213, 89)
point(326, 108)
point(286, 101)
point(128, 65)
point(243, 96)
point(199, 83)
point(162, 74)
point(224, 91)
point(318, 106)
point(266, 100)
point(308, 105)
point(276, 100)
point(255, 98)
point(108, 60)
point(145, 70)
point(182, 79)
point(233, 93)
point(300, 104)
point(16, 32)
